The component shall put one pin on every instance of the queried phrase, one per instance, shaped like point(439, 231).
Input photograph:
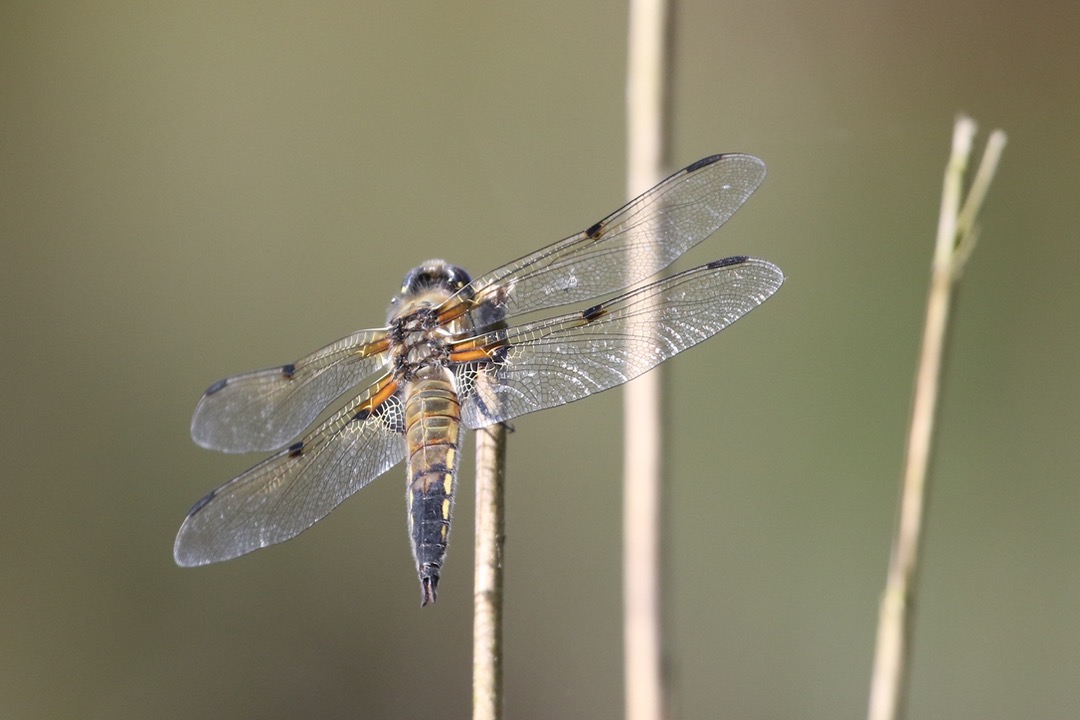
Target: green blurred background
point(189, 190)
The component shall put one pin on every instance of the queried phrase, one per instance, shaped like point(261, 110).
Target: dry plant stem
point(965, 221)
point(644, 680)
point(888, 689)
point(488, 593)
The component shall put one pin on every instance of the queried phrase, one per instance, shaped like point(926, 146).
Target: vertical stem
point(644, 680)
point(487, 593)
point(888, 689)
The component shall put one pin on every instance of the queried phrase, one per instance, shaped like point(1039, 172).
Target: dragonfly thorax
point(417, 341)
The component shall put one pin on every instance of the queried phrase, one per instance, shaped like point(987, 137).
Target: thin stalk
point(646, 696)
point(955, 238)
point(488, 588)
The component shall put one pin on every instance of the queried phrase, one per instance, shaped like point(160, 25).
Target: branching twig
point(955, 239)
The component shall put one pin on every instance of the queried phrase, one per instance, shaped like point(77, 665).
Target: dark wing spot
point(391, 415)
point(595, 230)
point(202, 503)
point(590, 314)
point(725, 262)
point(485, 409)
point(703, 162)
point(362, 415)
point(499, 353)
point(288, 370)
point(216, 387)
point(296, 449)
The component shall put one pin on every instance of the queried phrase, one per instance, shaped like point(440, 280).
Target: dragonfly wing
point(551, 362)
point(632, 244)
point(287, 493)
point(265, 409)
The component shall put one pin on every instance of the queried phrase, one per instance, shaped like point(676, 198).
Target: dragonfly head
point(434, 275)
point(428, 285)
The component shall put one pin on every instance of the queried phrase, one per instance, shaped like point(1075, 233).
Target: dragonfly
point(449, 359)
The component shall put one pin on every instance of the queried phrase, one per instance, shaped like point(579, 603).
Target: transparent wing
point(556, 361)
point(265, 409)
point(287, 493)
point(633, 243)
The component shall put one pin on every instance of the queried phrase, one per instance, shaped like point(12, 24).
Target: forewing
point(265, 409)
point(632, 244)
point(287, 493)
point(556, 361)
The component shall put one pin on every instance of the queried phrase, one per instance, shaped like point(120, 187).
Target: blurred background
point(191, 190)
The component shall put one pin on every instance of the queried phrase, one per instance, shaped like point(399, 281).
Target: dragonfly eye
point(457, 277)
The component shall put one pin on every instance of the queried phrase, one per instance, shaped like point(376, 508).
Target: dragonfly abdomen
point(432, 435)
